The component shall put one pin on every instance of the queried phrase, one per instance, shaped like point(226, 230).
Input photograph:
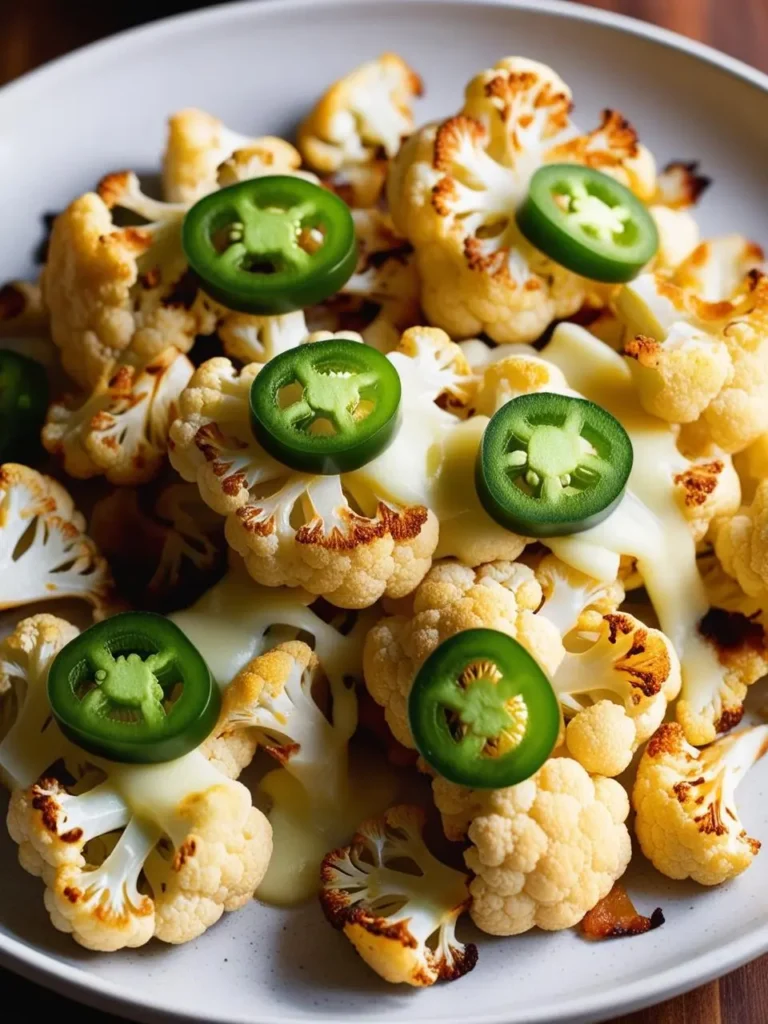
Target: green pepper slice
point(550, 465)
point(326, 407)
point(482, 711)
point(134, 689)
point(588, 222)
point(23, 404)
point(271, 245)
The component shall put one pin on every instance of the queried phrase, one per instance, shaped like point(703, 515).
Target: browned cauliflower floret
point(44, 550)
point(297, 530)
point(121, 430)
point(119, 293)
point(697, 340)
point(199, 144)
point(455, 188)
point(361, 117)
point(452, 598)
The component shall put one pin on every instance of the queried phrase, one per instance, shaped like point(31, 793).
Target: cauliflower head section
point(389, 895)
point(119, 293)
point(454, 191)
point(44, 550)
point(121, 430)
point(30, 742)
point(200, 150)
point(686, 817)
point(615, 693)
point(741, 544)
point(359, 123)
point(191, 846)
point(293, 529)
point(452, 598)
point(697, 341)
point(543, 852)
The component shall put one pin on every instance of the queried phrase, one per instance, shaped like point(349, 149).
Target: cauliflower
point(161, 550)
point(669, 506)
point(257, 339)
point(615, 692)
point(382, 296)
point(571, 598)
point(192, 846)
point(44, 552)
point(121, 430)
point(389, 895)
point(739, 542)
point(270, 703)
point(679, 185)
point(199, 144)
point(686, 818)
point(452, 598)
point(696, 348)
point(364, 114)
point(454, 192)
point(30, 741)
point(119, 293)
point(543, 852)
point(299, 530)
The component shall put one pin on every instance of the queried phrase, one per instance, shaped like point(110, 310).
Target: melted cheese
point(303, 833)
point(229, 622)
point(649, 524)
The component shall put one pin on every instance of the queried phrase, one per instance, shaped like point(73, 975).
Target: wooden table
point(34, 31)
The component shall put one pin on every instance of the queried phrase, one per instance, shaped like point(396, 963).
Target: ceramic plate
point(259, 66)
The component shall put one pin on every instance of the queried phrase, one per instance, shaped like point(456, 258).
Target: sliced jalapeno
point(550, 465)
point(588, 222)
point(482, 712)
point(271, 245)
point(23, 404)
point(133, 688)
point(326, 407)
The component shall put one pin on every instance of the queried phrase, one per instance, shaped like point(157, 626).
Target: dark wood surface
point(35, 31)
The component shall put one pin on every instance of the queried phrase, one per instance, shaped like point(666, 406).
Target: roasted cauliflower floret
point(363, 115)
point(571, 598)
point(543, 852)
point(164, 547)
point(628, 666)
point(199, 144)
point(191, 847)
point(121, 430)
point(29, 741)
point(270, 704)
point(44, 551)
point(119, 293)
point(389, 895)
point(697, 339)
point(452, 598)
point(686, 817)
point(297, 530)
point(741, 544)
point(454, 192)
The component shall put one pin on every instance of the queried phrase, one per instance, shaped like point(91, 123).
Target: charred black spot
point(731, 631)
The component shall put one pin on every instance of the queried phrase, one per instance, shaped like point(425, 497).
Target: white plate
point(259, 66)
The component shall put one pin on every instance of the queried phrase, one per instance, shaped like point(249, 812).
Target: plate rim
point(45, 968)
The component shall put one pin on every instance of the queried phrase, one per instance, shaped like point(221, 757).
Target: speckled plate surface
point(259, 66)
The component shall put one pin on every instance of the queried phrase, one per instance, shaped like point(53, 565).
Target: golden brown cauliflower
point(697, 341)
point(452, 598)
point(121, 430)
point(119, 293)
point(455, 187)
point(358, 124)
point(200, 150)
point(685, 810)
point(298, 530)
